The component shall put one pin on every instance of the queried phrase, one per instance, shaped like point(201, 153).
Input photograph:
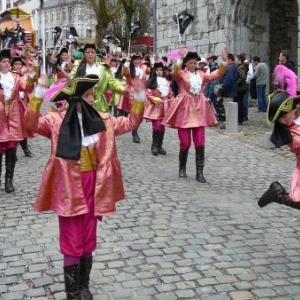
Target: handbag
point(217, 89)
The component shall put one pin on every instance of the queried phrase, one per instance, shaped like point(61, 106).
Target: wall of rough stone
point(257, 27)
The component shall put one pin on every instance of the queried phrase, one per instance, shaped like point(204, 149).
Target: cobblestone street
point(171, 238)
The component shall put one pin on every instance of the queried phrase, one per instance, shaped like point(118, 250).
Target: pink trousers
point(78, 235)
point(157, 126)
point(185, 137)
point(8, 145)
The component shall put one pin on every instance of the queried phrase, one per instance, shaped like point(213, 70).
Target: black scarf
point(281, 135)
point(69, 138)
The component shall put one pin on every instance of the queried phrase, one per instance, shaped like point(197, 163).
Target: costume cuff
point(120, 90)
point(137, 107)
point(35, 103)
point(40, 92)
point(156, 100)
point(222, 68)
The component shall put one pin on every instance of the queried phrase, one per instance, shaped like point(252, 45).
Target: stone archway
point(283, 29)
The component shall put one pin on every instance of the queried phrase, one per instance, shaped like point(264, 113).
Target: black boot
point(183, 154)
point(10, 163)
point(155, 142)
point(161, 150)
point(135, 136)
point(72, 282)
point(116, 112)
point(25, 148)
point(200, 157)
point(85, 270)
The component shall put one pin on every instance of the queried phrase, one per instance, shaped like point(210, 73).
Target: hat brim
point(89, 46)
point(212, 56)
point(76, 86)
point(280, 104)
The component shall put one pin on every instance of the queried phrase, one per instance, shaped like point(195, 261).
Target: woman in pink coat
point(12, 129)
point(190, 112)
point(159, 96)
point(82, 180)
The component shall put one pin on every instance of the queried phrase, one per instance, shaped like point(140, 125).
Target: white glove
point(126, 65)
point(40, 91)
point(140, 96)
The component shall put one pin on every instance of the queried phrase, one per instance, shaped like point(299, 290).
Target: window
point(52, 16)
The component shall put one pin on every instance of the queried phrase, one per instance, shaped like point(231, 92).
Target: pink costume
point(64, 194)
point(156, 111)
point(191, 112)
point(11, 112)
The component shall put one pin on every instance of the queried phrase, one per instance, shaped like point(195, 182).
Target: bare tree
point(106, 12)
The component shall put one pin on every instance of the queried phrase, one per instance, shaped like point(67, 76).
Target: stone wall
point(257, 27)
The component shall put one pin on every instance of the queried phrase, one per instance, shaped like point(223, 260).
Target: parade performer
point(190, 112)
point(18, 66)
point(11, 115)
point(159, 96)
point(134, 74)
point(82, 180)
point(284, 112)
point(89, 66)
point(62, 67)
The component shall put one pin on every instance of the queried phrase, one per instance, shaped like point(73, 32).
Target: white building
point(64, 14)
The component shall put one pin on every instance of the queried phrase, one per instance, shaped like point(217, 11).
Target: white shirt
point(139, 72)
point(163, 86)
point(87, 140)
point(195, 83)
point(8, 82)
point(94, 69)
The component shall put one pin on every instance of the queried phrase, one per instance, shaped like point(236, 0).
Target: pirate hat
point(135, 56)
point(4, 53)
point(280, 104)
point(89, 46)
point(63, 50)
point(158, 64)
point(191, 55)
point(76, 86)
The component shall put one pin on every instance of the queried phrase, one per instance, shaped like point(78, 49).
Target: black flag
point(57, 32)
point(41, 3)
point(184, 21)
point(134, 27)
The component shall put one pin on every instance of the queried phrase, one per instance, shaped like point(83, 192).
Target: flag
point(5, 16)
point(134, 27)
point(184, 21)
point(41, 3)
point(57, 32)
point(72, 35)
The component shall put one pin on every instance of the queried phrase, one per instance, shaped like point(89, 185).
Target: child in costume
point(82, 180)
point(159, 96)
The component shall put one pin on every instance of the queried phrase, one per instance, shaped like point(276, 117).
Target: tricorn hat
point(135, 56)
point(63, 50)
point(88, 46)
point(191, 55)
point(280, 103)
point(76, 86)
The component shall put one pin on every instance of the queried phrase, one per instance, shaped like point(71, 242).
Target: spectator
point(229, 88)
point(242, 86)
point(247, 94)
point(284, 59)
point(261, 76)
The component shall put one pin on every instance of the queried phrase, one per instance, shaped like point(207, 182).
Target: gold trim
point(222, 68)
point(35, 103)
point(137, 107)
point(120, 90)
point(286, 106)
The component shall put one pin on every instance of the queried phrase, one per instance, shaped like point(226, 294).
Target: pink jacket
point(12, 126)
point(60, 189)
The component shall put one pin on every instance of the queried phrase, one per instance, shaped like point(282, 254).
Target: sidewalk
point(171, 238)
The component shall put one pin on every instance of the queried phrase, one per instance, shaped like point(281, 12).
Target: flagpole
point(178, 29)
point(129, 44)
point(43, 41)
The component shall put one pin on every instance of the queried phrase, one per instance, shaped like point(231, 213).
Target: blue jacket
point(229, 81)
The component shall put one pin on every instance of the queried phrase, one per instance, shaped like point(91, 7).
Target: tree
point(106, 12)
point(130, 11)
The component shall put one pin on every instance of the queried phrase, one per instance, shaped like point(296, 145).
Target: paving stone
point(238, 295)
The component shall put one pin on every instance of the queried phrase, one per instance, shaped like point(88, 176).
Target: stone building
point(257, 27)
